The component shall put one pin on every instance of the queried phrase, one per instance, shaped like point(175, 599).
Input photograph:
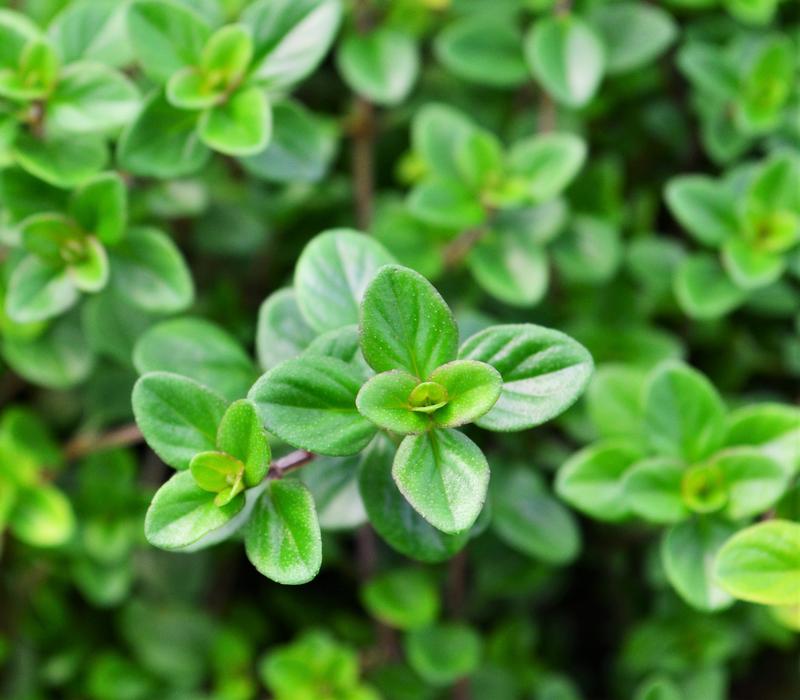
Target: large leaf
point(197, 349)
point(405, 324)
point(310, 402)
point(181, 513)
point(444, 476)
point(282, 538)
point(177, 416)
point(332, 274)
point(544, 372)
point(762, 563)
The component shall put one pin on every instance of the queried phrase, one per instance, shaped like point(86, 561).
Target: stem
point(87, 443)
point(363, 161)
point(458, 249)
point(288, 463)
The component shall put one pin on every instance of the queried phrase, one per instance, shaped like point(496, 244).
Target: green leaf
point(703, 289)
point(393, 517)
point(658, 688)
point(61, 160)
point(162, 141)
point(772, 427)
point(100, 206)
point(342, 344)
point(750, 268)
point(634, 34)
point(92, 30)
point(547, 163)
point(444, 476)
point(684, 416)
point(614, 401)
point(42, 517)
point(405, 323)
point(197, 349)
point(384, 400)
point(592, 480)
point(446, 204)
point(754, 481)
point(218, 473)
point(333, 482)
point(544, 372)
point(90, 274)
point(91, 98)
point(58, 358)
point(165, 36)
point(281, 332)
point(189, 89)
point(38, 291)
point(182, 513)
point(227, 54)
point(443, 653)
point(381, 65)
point(704, 207)
point(112, 326)
point(282, 538)
point(402, 598)
point(766, 85)
point(331, 275)
point(589, 251)
point(240, 435)
point(567, 58)
point(290, 37)
point(761, 563)
point(527, 518)
point(437, 134)
point(472, 388)
point(687, 553)
point(310, 402)
point(653, 490)
point(177, 416)
point(149, 270)
point(16, 30)
point(301, 149)
point(483, 49)
point(240, 126)
point(36, 74)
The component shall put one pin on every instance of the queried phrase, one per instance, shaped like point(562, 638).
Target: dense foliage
point(478, 318)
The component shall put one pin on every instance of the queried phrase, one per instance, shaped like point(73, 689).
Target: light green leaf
point(393, 517)
point(762, 563)
point(381, 65)
point(652, 490)
point(443, 653)
point(61, 161)
point(593, 479)
point(472, 388)
point(684, 416)
point(544, 372)
point(240, 126)
point(182, 513)
point(282, 538)
point(38, 291)
point(547, 163)
point(384, 400)
point(703, 289)
point(773, 428)
point(437, 133)
point(218, 473)
point(148, 269)
point(177, 416)
point(331, 275)
point(483, 49)
point(42, 517)
point(189, 89)
point(750, 268)
point(754, 481)
point(90, 274)
point(200, 350)
point(405, 324)
point(527, 518)
point(281, 333)
point(688, 551)
point(100, 206)
point(704, 207)
point(614, 400)
point(446, 204)
point(162, 141)
point(227, 54)
point(92, 30)
point(567, 58)
point(444, 476)
point(240, 435)
point(310, 402)
point(402, 598)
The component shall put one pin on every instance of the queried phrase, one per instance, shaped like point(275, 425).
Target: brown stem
point(547, 113)
point(363, 161)
point(288, 463)
point(87, 443)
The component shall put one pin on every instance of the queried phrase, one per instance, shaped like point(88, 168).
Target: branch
point(288, 463)
point(363, 132)
point(87, 443)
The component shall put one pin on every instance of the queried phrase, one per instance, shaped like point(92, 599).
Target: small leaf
point(227, 54)
point(443, 653)
point(704, 207)
point(310, 402)
point(381, 65)
point(753, 480)
point(90, 274)
point(684, 416)
point(472, 389)
point(750, 268)
point(703, 289)
point(282, 538)
point(438, 132)
point(42, 517)
point(181, 513)
point(240, 435)
point(149, 271)
point(762, 563)
point(177, 416)
point(688, 551)
point(384, 400)
point(405, 324)
point(331, 275)
point(240, 126)
point(444, 476)
point(38, 291)
point(402, 598)
point(393, 517)
point(446, 204)
point(544, 372)
point(198, 349)
point(281, 333)
point(567, 58)
point(189, 89)
point(216, 471)
point(100, 207)
point(653, 490)
point(547, 163)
